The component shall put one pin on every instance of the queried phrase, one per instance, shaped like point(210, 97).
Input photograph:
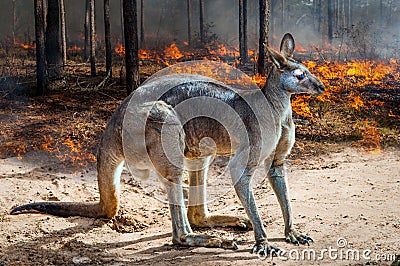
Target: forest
point(66, 65)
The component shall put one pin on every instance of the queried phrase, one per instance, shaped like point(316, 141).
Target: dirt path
point(346, 196)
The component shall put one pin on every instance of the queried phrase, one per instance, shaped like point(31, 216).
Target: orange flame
point(74, 48)
point(120, 50)
point(30, 45)
point(371, 136)
point(259, 80)
point(300, 106)
point(173, 52)
point(355, 101)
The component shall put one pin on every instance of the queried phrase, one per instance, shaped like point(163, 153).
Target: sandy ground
point(349, 202)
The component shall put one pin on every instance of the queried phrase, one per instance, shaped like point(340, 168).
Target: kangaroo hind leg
point(198, 213)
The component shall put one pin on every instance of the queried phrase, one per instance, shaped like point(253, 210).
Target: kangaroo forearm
point(246, 196)
point(278, 180)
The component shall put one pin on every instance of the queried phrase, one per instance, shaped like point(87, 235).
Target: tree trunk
point(330, 15)
point(14, 21)
point(53, 49)
point(131, 45)
point(41, 79)
point(107, 37)
point(335, 12)
point(122, 21)
point(349, 18)
point(381, 13)
point(243, 30)
point(283, 19)
point(263, 41)
point(142, 40)
point(344, 13)
point(86, 27)
point(63, 33)
point(189, 21)
point(202, 28)
point(45, 14)
point(92, 39)
point(319, 9)
point(314, 13)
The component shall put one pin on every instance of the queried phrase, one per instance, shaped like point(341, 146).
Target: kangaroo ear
point(287, 45)
point(276, 58)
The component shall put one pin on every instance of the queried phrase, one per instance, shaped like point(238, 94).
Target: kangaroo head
point(294, 76)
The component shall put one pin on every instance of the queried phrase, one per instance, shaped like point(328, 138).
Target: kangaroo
point(266, 135)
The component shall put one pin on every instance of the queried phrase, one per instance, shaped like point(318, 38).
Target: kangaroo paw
point(295, 237)
point(222, 221)
point(264, 249)
point(198, 240)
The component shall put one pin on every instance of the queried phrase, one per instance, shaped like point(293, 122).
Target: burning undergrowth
point(67, 124)
point(360, 104)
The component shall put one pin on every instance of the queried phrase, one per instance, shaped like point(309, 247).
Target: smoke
point(166, 21)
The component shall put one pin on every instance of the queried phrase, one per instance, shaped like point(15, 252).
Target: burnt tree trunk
point(53, 48)
point(330, 22)
point(189, 21)
point(122, 21)
point(131, 45)
point(14, 21)
point(202, 26)
point(142, 43)
point(63, 33)
point(45, 14)
point(283, 18)
point(263, 41)
point(107, 37)
point(41, 79)
point(319, 10)
point(314, 14)
point(243, 30)
point(348, 22)
point(335, 16)
point(272, 19)
point(86, 30)
point(92, 39)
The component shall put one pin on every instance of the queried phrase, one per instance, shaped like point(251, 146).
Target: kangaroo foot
point(221, 221)
point(197, 240)
point(295, 237)
point(264, 249)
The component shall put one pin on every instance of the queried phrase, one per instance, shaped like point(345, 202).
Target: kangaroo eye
point(299, 74)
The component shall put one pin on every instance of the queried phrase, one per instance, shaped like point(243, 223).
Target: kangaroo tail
point(63, 209)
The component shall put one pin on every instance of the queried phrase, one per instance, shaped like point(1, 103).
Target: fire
point(30, 45)
point(259, 80)
point(371, 136)
point(120, 50)
point(355, 101)
point(351, 74)
point(300, 106)
point(70, 144)
point(173, 52)
point(300, 49)
point(74, 48)
point(68, 151)
point(145, 55)
point(220, 50)
point(19, 151)
point(75, 154)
